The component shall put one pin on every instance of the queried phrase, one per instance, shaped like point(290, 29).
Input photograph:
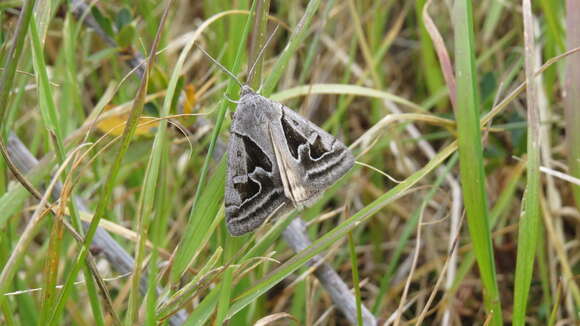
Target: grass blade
point(471, 156)
point(182, 255)
point(107, 189)
point(530, 217)
point(6, 80)
point(355, 278)
point(296, 39)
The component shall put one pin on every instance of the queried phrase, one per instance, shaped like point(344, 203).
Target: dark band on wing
point(332, 160)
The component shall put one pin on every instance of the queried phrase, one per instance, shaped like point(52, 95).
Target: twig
point(344, 300)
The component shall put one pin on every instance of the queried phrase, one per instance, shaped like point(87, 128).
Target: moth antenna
point(217, 63)
point(231, 100)
point(262, 50)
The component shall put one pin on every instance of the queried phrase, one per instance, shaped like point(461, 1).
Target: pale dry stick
point(297, 239)
point(117, 257)
point(41, 211)
point(32, 227)
point(560, 175)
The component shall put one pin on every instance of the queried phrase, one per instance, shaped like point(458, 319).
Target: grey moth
point(277, 160)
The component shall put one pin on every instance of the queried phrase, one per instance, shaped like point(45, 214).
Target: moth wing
point(290, 170)
point(316, 159)
point(254, 190)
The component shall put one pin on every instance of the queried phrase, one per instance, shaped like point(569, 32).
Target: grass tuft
point(117, 124)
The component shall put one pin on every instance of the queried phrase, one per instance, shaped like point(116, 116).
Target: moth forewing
point(319, 157)
point(289, 170)
point(281, 166)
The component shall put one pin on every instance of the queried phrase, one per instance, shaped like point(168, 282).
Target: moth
point(277, 160)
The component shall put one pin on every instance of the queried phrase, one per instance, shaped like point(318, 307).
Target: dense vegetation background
point(462, 207)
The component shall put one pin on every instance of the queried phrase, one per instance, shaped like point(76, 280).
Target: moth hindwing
point(276, 160)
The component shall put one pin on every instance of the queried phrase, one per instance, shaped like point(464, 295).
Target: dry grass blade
point(572, 94)
point(442, 53)
point(275, 317)
point(530, 218)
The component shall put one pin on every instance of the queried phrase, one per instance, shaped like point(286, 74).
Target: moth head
point(246, 90)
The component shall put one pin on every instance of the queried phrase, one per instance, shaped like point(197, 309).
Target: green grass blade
point(13, 200)
point(471, 156)
point(492, 18)
point(343, 89)
point(355, 278)
point(50, 120)
point(226, 281)
point(199, 228)
point(296, 39)
point(262, 10)
point(107, 189)
point(204, 310)
point(530, 217)
point(182, 254)
point(11, 58)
